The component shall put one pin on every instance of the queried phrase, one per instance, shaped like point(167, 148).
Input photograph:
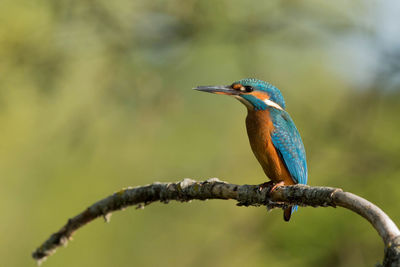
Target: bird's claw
point(281, 183)
point(270, 185)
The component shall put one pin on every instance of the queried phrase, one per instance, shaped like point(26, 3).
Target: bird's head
point(255, 94)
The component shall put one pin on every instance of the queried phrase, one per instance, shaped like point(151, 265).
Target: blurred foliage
point(96, 96)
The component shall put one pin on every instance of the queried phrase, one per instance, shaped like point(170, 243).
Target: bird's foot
point(281, 183)
point(270, 185)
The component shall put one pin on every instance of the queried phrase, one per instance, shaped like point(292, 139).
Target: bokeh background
point(96, 96)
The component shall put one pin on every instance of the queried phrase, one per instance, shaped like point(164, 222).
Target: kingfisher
point(273, 136)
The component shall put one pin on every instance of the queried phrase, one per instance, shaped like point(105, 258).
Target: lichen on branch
point(245, 195)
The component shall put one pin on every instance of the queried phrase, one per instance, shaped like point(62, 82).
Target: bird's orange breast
point(259, 128)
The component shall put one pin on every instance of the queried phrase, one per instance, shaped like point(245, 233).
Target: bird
point(273, 136)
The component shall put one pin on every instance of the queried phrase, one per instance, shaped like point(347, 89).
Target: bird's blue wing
point(287, 141)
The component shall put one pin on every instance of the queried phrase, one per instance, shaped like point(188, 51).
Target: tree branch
point(246, 195)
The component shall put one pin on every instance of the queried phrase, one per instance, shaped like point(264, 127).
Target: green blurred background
point(96, 96)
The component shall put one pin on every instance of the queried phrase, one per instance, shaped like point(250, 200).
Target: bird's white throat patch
point(268, 102)
point(244, 101)
point(272, 104)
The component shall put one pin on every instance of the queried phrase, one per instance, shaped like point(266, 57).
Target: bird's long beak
point(218, 89)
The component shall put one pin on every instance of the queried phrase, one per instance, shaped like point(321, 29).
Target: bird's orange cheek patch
point(260, 95)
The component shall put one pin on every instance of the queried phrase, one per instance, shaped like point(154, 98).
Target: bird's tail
point(287, 213)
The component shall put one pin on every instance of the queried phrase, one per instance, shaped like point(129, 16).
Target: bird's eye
point(249, 88)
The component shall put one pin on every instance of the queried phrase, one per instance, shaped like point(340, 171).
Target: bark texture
point(246, 195)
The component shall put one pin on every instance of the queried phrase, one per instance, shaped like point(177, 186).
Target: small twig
point(246, 195)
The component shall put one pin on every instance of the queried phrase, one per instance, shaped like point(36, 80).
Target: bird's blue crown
point(258, 85)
